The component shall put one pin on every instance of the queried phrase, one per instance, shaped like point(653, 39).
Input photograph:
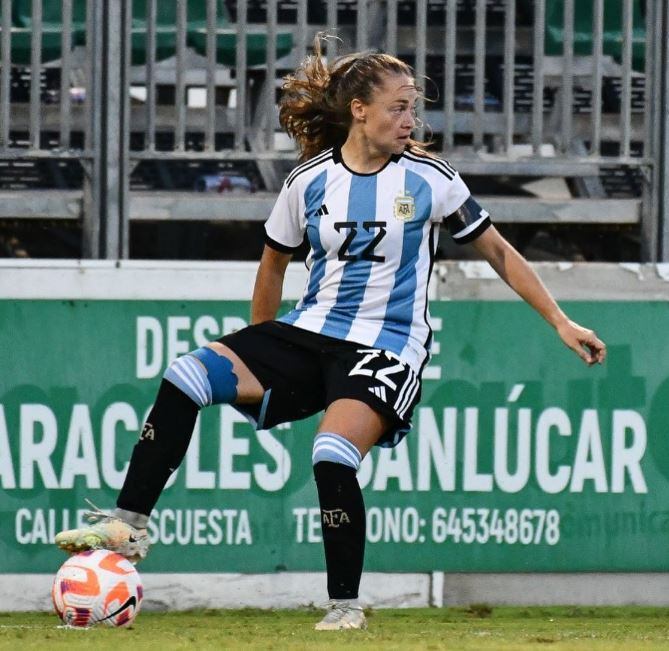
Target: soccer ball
point(97, 587)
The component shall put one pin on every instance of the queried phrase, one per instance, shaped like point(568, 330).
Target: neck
point(360, 156)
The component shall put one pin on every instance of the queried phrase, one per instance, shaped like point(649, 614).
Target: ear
point(358, 110)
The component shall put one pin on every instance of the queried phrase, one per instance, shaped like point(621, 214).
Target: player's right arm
point(284, 232)
point(269, 285)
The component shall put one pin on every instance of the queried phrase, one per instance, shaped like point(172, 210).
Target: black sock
point(160, 450)
point(343, 527)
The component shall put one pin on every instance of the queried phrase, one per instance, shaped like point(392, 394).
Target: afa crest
point(405, 208)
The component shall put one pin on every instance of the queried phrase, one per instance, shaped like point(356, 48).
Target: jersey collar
point(337, 157)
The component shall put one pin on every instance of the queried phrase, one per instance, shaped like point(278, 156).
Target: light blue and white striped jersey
point(373, 239)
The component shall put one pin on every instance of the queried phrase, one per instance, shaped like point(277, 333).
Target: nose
point(409, 119)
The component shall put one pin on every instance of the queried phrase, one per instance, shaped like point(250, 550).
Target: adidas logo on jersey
point(323, 210)
point(379, 392)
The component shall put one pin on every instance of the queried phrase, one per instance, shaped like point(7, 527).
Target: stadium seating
point(226, 40)
point(166, 32)
point(52, 29)
point(228, 142)
point(613, 25)
point(226, 36)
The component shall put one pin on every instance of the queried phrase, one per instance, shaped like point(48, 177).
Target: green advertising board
point(521, 458)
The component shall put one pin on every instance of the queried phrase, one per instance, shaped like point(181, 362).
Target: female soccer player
point(370, 201)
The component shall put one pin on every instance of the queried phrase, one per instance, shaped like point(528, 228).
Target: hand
point(583, 342)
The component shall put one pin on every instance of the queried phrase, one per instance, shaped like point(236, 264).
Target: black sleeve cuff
point(470, 237)
point(468, 221)
point(277, 246)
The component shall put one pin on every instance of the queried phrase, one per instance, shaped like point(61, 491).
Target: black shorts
point(303, 372)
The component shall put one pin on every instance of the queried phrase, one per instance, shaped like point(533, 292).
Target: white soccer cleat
point(341, 615)
point(106, 531)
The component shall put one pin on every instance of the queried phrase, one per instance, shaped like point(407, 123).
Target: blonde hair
point(314, 108)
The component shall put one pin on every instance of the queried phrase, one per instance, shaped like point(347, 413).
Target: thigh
point(355, 421)
point(289, 375)
point(249, 389)
point(381, 381)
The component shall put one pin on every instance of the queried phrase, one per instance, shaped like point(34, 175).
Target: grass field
point(475, 628)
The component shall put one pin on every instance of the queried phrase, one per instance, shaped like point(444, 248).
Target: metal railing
point(505, 104)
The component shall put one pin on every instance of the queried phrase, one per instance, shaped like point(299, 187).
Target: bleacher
point(563, 175)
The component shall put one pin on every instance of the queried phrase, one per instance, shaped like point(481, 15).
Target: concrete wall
point(32, 279)
point(91, 279)
point(26, 592)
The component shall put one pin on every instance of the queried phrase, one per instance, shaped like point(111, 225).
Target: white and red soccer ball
point(97, 587)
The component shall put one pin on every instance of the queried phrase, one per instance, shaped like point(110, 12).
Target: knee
point(206, 377)
point(335, 449)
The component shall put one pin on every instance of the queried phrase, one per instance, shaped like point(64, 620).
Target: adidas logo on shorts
point(379, 392)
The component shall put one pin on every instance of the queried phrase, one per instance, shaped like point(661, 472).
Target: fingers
point(584, 353)
point(585, 343)
point(596, 349)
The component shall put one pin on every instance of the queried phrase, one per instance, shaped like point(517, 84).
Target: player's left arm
point(519, 275)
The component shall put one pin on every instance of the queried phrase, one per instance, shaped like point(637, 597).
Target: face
point(387, 122)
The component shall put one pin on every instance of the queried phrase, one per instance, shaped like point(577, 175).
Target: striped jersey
point(372, 242)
